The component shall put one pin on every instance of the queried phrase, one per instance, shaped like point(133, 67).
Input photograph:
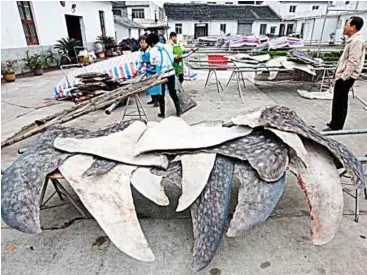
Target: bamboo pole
point(93, 106)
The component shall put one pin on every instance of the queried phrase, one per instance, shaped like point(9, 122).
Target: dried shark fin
point(209, 213)
point(116, 146)
point(149, 185)
point(293, 141)
point(256, 199)
point(21, 187)
point(22, 182)
point(321, 184)
point(100, 166)
point(196, 169)
point(109, 199)
point(285, 119)
point(174, 134)
point(266, 153)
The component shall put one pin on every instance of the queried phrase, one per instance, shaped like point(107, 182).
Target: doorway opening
point(74, 28)
point(282, 30)
point(201, 29)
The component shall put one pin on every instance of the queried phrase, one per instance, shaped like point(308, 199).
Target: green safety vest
point(178, 64)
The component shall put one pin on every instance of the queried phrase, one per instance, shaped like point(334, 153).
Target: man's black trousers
point(340, 103)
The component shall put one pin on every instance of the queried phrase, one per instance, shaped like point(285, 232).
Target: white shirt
point(161, 56)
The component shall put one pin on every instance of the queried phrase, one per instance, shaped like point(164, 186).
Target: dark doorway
point(281, 29)
point(289, 29)
point(201, 29)
point(73, 26)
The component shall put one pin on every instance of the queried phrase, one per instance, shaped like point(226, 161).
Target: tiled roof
point(207, 12)
point(123, 21)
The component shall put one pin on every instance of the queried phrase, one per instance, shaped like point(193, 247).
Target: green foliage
point(107, 41)
point(7, 67)
point(66, 45)
point(35, 62)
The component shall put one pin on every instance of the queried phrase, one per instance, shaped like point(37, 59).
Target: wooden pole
point(89, 107)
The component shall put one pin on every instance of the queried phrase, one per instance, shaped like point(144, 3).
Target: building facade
point(35, 26)
point(126, 28)
point(197, 20)
point(306, 18)
point(145, 13)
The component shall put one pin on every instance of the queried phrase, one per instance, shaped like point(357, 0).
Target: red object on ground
point(217, 60)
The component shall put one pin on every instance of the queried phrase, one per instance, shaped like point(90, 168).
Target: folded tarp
point(120, 67)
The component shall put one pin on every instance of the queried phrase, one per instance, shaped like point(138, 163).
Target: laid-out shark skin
point(109, 200)
point(256, 199)
point(261, 145)
point(209, 213)
point(174, 133)
point(196, 169)
point(118, 147)
point(22, 181)
point(321, 183)
point(285, 119)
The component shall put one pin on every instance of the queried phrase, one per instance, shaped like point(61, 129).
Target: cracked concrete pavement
point(282, 245)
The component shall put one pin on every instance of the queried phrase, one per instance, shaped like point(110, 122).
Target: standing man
point(162, 59)
point(349, 68)
point(178, 50)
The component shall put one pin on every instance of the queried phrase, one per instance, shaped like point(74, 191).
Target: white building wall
point(12, 34)
point(269, 24)
point(302, 9)
point(188, 26)
point(214, 27)
point(149, 12)
point(123, 33)
point(332, 24)
point(50, 22)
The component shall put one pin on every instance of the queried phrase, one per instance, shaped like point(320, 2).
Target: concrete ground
point(281, 246)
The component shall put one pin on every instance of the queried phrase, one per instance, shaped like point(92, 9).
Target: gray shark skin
point(265, 152)
point(210, 212)
point(256, 199)
point(22, 182)
point(285, 119)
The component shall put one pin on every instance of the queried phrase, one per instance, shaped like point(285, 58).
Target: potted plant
point(36, 63)
point(67, 46)
point(7, 70)
point(109, 44)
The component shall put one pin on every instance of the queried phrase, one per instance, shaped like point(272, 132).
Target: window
point(212, 3)
point(228, 3)
point(28, 23)
point(246, 2)
point(262, 29)
point(223, 28)
point(117, 12)
point(101, 20)
point(315, 7)
point(178, 28)
point(273, 30)
point(292, 9)
point(347, 2)
point(138, 13)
